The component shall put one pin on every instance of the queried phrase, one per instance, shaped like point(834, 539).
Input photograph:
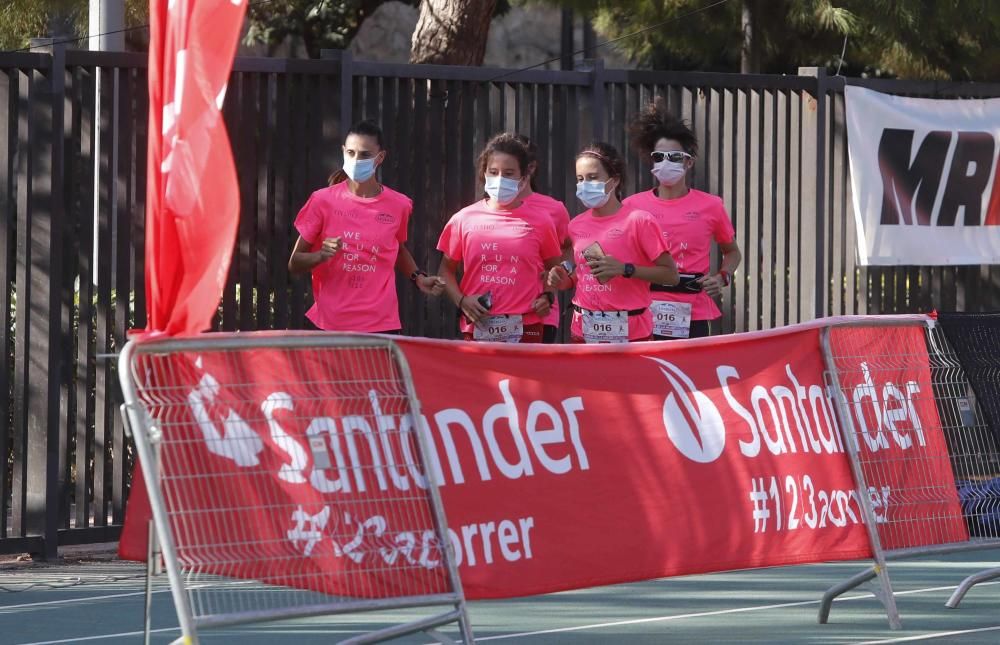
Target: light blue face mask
point(503, 190)
point(591, 193)
point(359, 170)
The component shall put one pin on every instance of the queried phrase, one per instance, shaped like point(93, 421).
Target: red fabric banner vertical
point(192, 195)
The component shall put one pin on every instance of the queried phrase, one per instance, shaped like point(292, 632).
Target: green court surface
point(101, 601)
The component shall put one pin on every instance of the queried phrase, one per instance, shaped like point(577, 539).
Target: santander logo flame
point(692, 421)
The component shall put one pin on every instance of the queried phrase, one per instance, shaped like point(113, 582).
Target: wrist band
point(460, 301)
point(415, 274)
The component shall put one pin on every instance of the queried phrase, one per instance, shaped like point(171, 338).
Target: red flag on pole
point(192, 196)
point(192, 193)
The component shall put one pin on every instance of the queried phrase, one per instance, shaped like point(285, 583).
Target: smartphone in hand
point(593, 252)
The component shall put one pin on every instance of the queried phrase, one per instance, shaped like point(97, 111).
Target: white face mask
point(503, 190)
point(359, 170)
point(592, 193)
point(669, 173)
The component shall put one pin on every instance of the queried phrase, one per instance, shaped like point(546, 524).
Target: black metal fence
point(774, 147)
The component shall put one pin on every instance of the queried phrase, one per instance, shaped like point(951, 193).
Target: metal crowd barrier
point(239, 547)
point(923, 518)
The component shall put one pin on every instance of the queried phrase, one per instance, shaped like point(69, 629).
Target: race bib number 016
point(605, 326)
point(500, 329)
point(672, 319)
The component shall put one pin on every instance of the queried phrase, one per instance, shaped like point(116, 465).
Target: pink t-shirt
point(355, 290)
point(560, 218)
point(630, 235)
point(689, 224)
point(503, 252)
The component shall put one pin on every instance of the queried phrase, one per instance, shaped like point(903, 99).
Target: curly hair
point(610, 159)
point(655, 122)
point(506, 143)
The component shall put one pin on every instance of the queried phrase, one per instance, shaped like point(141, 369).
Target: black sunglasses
point(676, 156)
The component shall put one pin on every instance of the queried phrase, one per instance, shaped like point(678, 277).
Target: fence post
point(595, 67)
point(346, 59)
point(44, 373)
point(814, 142)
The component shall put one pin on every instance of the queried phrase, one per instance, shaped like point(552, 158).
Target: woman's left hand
point(430, 284)
point(606, 268)
point(541, 305)
point(711, 284)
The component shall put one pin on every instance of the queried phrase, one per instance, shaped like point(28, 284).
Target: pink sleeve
point(406, 209)
point(551, 246)
point(562, 223)
point(723, 227)
point(309, 221)
point(450, 242)
point(649, 235)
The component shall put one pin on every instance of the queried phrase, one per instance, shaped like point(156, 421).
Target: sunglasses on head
point(675, 156)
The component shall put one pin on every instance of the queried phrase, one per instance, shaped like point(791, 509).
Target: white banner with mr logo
point(924, 176)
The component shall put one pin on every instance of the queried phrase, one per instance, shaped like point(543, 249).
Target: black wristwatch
point(417, 273)
point(629, 270)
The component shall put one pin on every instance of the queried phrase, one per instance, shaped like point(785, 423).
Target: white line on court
point(78, 639)
point(635, 621)
point(923, 637)
point(720, 612)
point(67, 601)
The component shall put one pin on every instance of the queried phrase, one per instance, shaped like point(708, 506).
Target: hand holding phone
point(592, 254)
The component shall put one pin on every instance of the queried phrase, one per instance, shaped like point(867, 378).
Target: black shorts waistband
point(688, 284)
point(631, 312)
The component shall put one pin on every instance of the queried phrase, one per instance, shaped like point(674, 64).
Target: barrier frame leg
point(841, 588)
point(968, 583)
point(849, 434)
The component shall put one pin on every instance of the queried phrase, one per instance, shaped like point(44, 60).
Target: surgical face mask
point(669, 173)
point(592, 193)
point(359, 170)
point(503, 190)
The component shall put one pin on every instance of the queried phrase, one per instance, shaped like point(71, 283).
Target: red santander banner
point(559, 467)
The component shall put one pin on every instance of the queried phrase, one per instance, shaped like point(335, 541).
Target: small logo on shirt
point(615, 233)
point(691, 216)
point(356, 281)
point(385, 218)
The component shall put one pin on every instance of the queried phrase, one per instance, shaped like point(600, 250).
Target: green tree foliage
point(933, 39)
point(316, 24)
point(22, 20)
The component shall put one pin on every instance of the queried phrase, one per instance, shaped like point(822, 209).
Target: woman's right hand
point(330, 248)
point(470, 306)
point(556, 277)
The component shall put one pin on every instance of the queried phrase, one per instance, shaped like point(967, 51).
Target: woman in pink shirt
point(618, 251)
point(503, 246)
point(351, 237)
point(560, 219)
point(690, 219)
